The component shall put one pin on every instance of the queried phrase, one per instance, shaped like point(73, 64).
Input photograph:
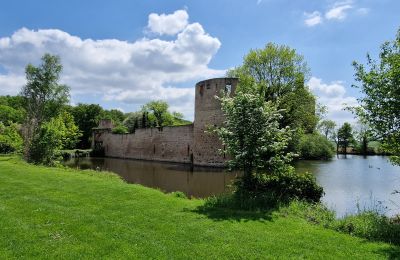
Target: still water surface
point(349, 184)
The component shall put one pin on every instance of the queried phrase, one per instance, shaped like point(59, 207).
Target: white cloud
point(333, 95)
point(129, 72)
point(259, 2)
point(313, 18)
point(363, 11)
point(339, 10)
point(169, 24)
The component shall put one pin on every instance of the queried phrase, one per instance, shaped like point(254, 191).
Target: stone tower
point(207, 112)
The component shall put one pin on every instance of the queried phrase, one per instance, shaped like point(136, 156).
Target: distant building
point(183, 144)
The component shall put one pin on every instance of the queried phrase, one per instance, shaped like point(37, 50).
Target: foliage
point(47, 142)
point(115, 115)
point(54, 135)
point(9, 115)
point(345, 136)
point(158, 113)
point(299, 110)
point(252, 136)
point(275, 70)
point(278, 74)
point(86, 118)
point(44, 99)
point(315, 147)
point(380, 81)
point(367, 224)
point(10, 139)
point(327, 128)
point(120, 129)
point(71, 132)
point(44, 96)
point(265, 191)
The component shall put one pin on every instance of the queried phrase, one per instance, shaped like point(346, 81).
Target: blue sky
point(121, 54)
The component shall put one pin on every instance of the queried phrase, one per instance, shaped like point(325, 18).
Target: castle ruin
point(182, 144)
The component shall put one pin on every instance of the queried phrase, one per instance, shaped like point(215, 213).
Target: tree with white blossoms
point(252, 136)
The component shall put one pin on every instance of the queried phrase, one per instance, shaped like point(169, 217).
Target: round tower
point(207, 113)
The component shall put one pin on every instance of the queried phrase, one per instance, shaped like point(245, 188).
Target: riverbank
point(66, 213)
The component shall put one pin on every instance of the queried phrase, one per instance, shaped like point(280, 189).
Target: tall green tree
point(278, 74)
point(380, 83)
point(345, 136)
point(44, 98)
point(86, 116)
point(158, 109)
point(327, 128)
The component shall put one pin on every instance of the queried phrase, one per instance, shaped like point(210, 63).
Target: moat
point(349, 184)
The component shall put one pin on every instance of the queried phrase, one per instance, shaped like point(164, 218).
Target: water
point(350, 184)
point(357, 183)
point(199, 182)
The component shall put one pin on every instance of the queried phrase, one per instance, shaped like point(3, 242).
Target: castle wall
point(171, 144)
point(184, 144)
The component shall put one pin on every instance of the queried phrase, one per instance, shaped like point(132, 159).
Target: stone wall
point(184, 144)
point(171, 144)
point(208, 114)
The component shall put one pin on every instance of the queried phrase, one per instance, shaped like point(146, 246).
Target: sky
point(123, 53)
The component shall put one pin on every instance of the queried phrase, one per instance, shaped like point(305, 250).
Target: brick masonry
point(184, 144)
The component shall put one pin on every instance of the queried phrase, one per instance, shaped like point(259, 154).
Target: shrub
point(370, 225)
point(315, 147)
point(10, 139)
point(47, 142)
point(120, 129)
point(266, 191)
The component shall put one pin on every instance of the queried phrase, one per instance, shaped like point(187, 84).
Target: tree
point(257, 145)
point(44, 97)
point(252, 136)
point(71, 132)
point(159, 111)
point(275, 70)
point(278, 74)
point(380, 84)
point(327, 128)
point(10, 139)
point(345, 136)
point(86, 117)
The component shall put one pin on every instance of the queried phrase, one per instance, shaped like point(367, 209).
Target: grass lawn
point(70, 214)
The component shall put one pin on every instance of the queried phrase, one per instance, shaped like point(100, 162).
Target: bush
point(315, 147)
point(10, 139)
point(120, 129)
point(370, 225)
point(266, 191)
point(47, 142)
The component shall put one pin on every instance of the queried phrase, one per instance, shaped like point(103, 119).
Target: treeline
point(81, 119)
point(39, 122)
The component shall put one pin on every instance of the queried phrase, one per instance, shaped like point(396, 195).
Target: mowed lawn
point(70, 214)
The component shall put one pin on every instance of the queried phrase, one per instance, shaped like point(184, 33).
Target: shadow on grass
point(221, 214)
point(393, 252)
point(225, 207)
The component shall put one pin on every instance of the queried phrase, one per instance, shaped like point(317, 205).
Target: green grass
point(69, 214)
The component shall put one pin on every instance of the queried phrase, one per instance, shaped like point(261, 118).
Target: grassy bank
point(64, 213)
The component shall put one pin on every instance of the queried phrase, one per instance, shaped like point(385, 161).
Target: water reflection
point(356, 182)
point(198, 182)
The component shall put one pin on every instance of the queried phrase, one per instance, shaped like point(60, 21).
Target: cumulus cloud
point(313, 18)
point(115, 70)
point(169, 24)
point(339, 10)
point(333, 95)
